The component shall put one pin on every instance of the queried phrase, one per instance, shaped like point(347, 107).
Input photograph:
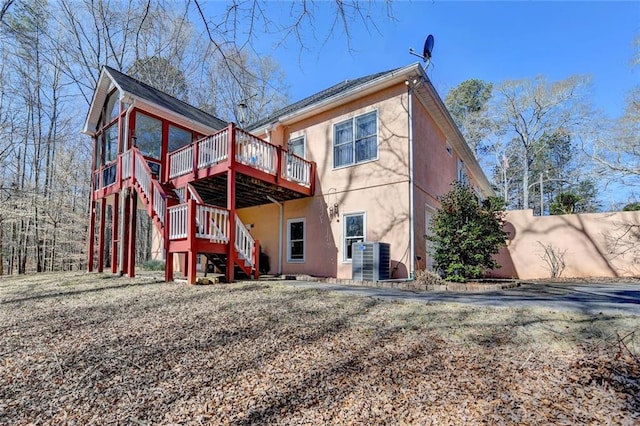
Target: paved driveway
point(587, 298)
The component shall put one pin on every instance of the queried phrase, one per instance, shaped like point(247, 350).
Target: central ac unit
point(370, 261)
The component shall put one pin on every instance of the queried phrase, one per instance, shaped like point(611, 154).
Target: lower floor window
point(353, 232)
point(295, 240)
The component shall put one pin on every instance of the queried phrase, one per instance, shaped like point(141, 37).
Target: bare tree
point(614, 145)
point(529, 111)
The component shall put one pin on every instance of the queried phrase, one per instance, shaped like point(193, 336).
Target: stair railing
point(126, 164)
point(244, 243)
point(150, 187)
point(212, 223)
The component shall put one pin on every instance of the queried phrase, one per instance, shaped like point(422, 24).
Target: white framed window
point(354, 232)
point(355, 140)
point(296, 232)
point(297, 147)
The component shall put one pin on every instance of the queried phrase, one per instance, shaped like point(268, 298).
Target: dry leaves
point(89, 349)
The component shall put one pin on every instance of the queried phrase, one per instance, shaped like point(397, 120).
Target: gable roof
point(319, 97)
point(137, 89)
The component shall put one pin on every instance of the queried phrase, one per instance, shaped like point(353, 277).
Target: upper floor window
point(110, 143)
point(178, 137)
point(355, 140)
point(111, 107)
point(148, 135)
point(296, 146)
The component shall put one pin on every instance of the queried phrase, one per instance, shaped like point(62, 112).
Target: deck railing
point(296, 169)
point(244, 243)
point(255, 152)
point(178, 221)
point(249, 150)
point(181, 162)
point(213, 149)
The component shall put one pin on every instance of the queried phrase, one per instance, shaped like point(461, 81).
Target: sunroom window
point(111, 143)
point(178, 138)
point(148, 135)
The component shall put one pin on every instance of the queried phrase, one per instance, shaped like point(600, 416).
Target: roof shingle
point(149, 93)
point(318, 97)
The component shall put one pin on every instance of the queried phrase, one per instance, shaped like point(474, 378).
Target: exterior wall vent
point(370, 261)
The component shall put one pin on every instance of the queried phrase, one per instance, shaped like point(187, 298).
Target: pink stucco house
point(364, 160)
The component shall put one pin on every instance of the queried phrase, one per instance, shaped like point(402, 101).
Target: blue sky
point(492, 41)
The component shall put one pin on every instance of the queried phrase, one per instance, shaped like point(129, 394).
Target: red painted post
point(115, 230)
point(168, 267)
point(92, 231)
point(126, 222)
point(103, 211)
point(256, 256)
point(231, 205)
point(279, 163)
point(191, 238)
point(168, 256)
point(196, 150)
point(312, 178)
point(131, 270)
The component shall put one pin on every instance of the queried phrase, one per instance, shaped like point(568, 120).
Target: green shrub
point(466, 234)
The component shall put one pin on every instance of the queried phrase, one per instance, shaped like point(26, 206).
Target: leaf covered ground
point(93, 349)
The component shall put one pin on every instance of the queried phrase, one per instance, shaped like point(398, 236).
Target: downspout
point(280, 222)
point(411, 86)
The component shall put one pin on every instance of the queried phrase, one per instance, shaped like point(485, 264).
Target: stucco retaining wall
point(591, 245)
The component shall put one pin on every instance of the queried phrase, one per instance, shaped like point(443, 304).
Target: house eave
point(106, 82)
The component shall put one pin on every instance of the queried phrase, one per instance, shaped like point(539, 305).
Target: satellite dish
point(428, 48)
point(426, 52)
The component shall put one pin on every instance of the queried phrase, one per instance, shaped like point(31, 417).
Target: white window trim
point(304, 239)
point(353, 120)
point(344, 232)
point(304, 143)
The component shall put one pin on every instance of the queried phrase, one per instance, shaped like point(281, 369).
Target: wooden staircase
point(231, 168)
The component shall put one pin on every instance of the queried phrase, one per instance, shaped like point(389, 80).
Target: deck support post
point(115, 236)
point(191, 238)
point(122, 228)
point(92, 231)
point(103, 223)
point(133, 220)
point(168, 255)
point(231, 205)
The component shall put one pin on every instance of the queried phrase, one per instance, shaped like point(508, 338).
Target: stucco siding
point(591, 245)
